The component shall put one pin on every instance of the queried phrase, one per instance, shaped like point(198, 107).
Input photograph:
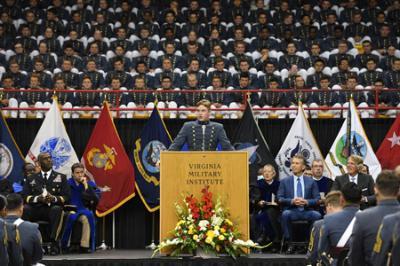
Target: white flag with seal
point(53, 138)
point(299, 140)
point(352, 140)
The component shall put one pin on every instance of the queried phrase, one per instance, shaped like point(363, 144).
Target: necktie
point(45, 176)
point(299, 189)
point(299, 193)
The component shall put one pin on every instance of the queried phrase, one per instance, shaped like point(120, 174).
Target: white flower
point(216, 221)
point(203, 223)
point(216, 232)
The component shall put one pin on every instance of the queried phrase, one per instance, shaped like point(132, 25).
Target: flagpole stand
point(152, 245)
point(103, 245)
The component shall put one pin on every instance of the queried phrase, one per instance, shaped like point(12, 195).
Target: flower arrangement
point(204, 225)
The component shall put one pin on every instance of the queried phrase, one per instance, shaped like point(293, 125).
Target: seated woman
point(84, 198)
point(268, 214)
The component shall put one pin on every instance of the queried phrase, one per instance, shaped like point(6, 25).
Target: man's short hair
point(388, 183)
point(77, 165)
point(205, 103)
point(357, 159)
point(351, 193)
point(300, 157)
point(14, 201)
point(333, 198)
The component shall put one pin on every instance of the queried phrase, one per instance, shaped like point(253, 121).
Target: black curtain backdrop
point(132, 221)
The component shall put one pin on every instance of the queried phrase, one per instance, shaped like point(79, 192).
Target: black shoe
point(54, 250)
point(290, 250)
point(84, 250)
point(261, 239)
point(74, 249)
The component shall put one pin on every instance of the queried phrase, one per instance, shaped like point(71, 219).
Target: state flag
point(248, 136)
point(108, 165)
point(146, 154)
point(352, 140)
point(299, 140)
point(389, 152)
point(52, 137)
point(11, 159)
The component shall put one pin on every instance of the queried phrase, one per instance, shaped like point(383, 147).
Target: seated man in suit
point(332, 235)
point(332, 203)
point(45, 194)
point(368, 221)
point(298, 195)
point(363, 181)
point(31, 239)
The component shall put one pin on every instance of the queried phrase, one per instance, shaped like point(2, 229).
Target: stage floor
point(143, 257)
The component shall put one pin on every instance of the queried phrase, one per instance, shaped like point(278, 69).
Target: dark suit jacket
point(56, 185)
point(312, 251)
point(364, 182)
point(286, 192)
point(365, 229)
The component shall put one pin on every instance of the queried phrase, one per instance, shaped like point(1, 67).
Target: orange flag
point(108, 165)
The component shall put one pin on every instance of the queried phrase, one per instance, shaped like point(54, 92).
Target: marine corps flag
point(248, 137)
point(11, 159)
point(351, 140)
point(154, 139)
point(389, 151)
point(108, 164)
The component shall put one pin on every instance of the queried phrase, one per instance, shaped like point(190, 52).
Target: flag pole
point(103, 245)
point(152, 244)
point(113, 230)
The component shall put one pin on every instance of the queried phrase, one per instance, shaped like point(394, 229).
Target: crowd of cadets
point(201, 45)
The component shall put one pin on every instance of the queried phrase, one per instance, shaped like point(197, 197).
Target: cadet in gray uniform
point(3, 234)
point(385, 240)
point(332, 203)
point(368, 221)
point(202, 134)
point(31, 239)
point(336, 224)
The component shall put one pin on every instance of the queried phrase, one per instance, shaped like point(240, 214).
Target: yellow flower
point(195, 237)
point(218, 248)
point(228, 222)
point(208, 240)
point(190, 232)
point(216, 227)
point(221, 237)
point(210, 234)
point(191, 226)
point(180, 222)
point(222, 230)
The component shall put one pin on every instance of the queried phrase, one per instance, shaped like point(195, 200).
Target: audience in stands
point(56, 38)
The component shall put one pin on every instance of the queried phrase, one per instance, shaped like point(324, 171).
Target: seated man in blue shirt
point(298, 195)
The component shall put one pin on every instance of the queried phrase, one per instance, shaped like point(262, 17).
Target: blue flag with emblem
point(11, 159)
point(146, 154)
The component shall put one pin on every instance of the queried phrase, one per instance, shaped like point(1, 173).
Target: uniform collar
point(203, 122)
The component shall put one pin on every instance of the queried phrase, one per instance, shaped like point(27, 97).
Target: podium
point(186, 173)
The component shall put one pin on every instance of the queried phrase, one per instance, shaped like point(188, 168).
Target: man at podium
point(202, 134)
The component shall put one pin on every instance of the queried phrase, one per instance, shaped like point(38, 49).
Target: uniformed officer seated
point(31, 239)
point(45, 194)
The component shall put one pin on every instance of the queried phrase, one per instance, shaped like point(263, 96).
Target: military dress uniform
point(274, 98)
point(201, 136)
point(37, 185)
point(31, 239)
point(325, 98)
